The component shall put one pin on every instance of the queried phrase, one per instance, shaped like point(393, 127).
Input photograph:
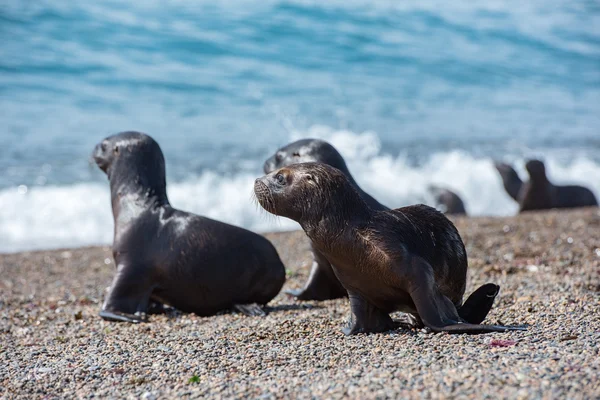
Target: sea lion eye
point(103, 146)
point(116, 150)
point(280, 179)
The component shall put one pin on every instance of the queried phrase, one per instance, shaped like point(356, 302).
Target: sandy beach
point(53, 344)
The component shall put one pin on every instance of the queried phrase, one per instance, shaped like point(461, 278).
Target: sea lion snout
point(100, 157)
point(263, 194)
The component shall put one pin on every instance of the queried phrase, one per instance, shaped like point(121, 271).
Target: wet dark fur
point(169, 256)
point(411, 259)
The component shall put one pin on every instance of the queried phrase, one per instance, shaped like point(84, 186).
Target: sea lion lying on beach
point(165, 255)
point(539, 193)
point(411, 259)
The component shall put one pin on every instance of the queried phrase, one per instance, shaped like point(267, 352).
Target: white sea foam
point(80, 214)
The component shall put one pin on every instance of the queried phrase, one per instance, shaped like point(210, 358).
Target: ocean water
point(411, 93)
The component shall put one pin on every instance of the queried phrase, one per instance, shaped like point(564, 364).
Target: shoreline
point(547, 264)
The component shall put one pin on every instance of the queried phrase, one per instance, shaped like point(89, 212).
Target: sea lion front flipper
point(366, 318)
point(479, 303)
point(251, 310)
point(128, 296)
point(322, 283)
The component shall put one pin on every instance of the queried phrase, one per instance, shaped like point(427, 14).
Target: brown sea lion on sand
point(165, 255)
point(411, 259)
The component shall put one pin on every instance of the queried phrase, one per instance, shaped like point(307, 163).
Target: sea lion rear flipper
point(128, 296)
point(251, 310)
point(446, 319)
point(366, 318)
point(437, 311)
point(477, 328)
point(322, 283)
point(479, 303)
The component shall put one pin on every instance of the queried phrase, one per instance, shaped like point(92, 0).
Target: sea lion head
point(126, 148)
point(132, 160)
point(304, 151)
point(536, 169)
point(307, 191)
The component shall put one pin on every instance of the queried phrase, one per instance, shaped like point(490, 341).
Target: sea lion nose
point(259, 181)
point(261, 185)
point(94, 154)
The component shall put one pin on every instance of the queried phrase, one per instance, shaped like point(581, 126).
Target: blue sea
point(411, 93)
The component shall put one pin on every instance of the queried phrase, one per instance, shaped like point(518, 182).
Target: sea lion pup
point(447, 201)
point(322, 283)
point(510, 179)
point(411, 259)
point(165, 255)
point(539, 193)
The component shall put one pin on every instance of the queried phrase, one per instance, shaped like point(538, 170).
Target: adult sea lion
point(165, 255)
point(539, 193)
point(322, 283)
point(411, 259)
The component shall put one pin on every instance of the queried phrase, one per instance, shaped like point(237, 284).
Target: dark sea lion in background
point(165, 255)
point(539, 193)
point(322, 283)
point(447, 201)
point(510, 179)
point(411, 259)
